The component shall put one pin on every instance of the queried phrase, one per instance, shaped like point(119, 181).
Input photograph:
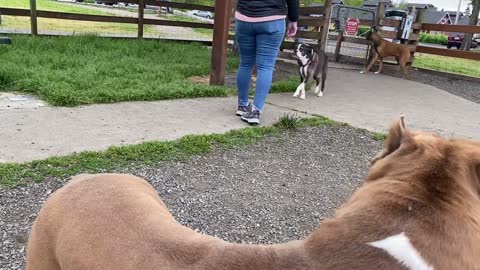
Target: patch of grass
point(447, 64)
point(70, 71)
point(288, 121)
point(288, 85)
point(13, 174)
point(379, 137)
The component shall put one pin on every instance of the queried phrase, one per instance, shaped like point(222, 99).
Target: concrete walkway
point(30, 130)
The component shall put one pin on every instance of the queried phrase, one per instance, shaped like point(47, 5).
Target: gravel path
point(241, 195)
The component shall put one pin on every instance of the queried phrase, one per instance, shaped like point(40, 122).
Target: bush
point(362, 30)
point(433, 39)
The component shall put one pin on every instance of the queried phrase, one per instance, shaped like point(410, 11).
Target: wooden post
point(33, 17)
point(380, 13)
point(220, 40)
point(141, 11)
point(322, 42)
point(339, 46)
point(418, 19)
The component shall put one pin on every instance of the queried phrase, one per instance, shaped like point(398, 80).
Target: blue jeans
point(258, 43)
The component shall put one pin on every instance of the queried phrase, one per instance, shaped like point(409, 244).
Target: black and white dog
point(312, 64)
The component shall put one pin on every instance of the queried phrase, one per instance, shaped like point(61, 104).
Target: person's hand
point(292, 29)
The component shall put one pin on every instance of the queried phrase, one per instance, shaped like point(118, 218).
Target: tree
point(402, 4)
point(467, 11)
point(473, 21)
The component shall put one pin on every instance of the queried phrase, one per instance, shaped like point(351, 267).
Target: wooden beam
point(390, 22)
point(394, 35)
point(322, 42)
point(451, 28)
point(141, 11)
point(85, 17)
point(308, 34)
point(33, 17)
point(15, 12)
point(449, 53)
point(310, 21)
point(102, 18)
point(220, 41)
point(177, 23)
point(313, 10)
point(159, 3)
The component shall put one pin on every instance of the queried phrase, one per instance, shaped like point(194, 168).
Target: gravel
point(278, 190)
point(467, 89)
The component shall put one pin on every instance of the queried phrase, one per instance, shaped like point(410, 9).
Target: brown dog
point(419, 209)
point(384, 48)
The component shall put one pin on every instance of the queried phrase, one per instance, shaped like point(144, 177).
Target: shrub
point(362, 30)
point(433, 38)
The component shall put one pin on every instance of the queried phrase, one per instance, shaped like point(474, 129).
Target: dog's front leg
point(374, 59)
point(380, 66)
point(299, 89)
point(302, 91)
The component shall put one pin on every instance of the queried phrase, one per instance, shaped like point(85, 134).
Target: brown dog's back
point(107, 222)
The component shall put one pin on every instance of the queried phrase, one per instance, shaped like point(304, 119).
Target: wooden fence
point(222, 12)
point(317, 18)
point(446, 52)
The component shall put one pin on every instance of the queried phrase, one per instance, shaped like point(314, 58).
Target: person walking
point(260, 30)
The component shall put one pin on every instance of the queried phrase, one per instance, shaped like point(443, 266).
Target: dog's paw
point(302, 97)
point(320, 94)
point(377, 72)
point(362, 72)
point(295, 95)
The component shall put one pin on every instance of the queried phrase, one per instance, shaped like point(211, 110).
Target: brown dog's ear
point(476, 177)
point(396, 136)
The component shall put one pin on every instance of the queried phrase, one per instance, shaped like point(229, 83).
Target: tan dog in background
point(419, 209)
point(384, 48)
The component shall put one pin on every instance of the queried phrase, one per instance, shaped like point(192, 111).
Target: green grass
point(203, 31)
point(46, 24)
point(288, 85)
point(134, 156)
point(50, 6)
point(447, 64)
point(70, 71)
point(379, 137)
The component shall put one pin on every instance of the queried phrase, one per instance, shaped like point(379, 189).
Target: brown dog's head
point(373, 34)
point(428, 161)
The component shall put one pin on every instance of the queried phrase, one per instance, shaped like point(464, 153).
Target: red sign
point(351, 26)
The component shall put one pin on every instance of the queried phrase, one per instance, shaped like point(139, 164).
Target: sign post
point(351, 26)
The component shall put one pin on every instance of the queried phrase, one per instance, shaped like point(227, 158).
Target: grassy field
point(70, 71)
point(52, 25)
point(448, 64)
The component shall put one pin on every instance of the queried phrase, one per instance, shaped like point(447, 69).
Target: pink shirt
point(239, 16)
